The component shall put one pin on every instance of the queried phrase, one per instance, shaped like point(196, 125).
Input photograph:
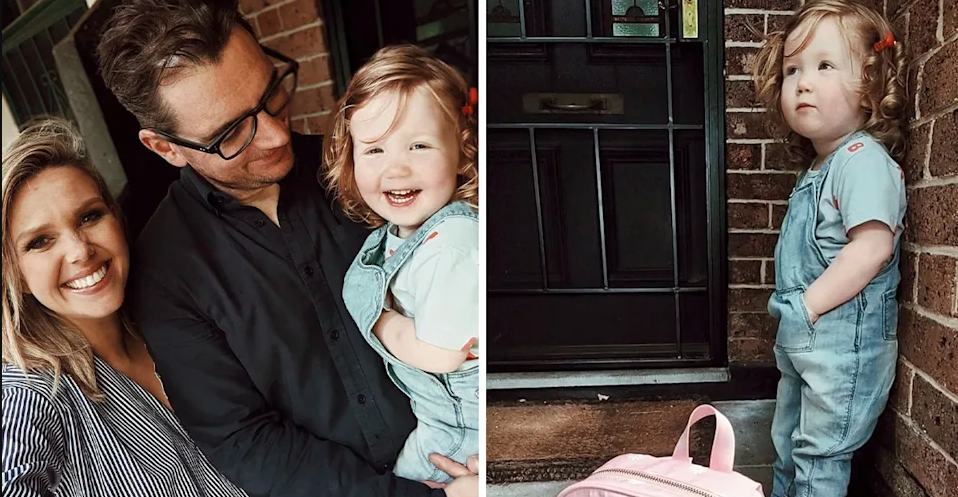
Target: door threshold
point(619, 377)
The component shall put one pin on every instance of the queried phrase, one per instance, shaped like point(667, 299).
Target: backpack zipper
point(661, 480)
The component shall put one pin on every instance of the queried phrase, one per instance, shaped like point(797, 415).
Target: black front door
point(605, 201)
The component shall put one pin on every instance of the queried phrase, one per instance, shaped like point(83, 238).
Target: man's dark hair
point(146, 42)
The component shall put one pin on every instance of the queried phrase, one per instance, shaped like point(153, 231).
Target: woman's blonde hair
point(403, 69)
point(34, 337)
point(883, 85)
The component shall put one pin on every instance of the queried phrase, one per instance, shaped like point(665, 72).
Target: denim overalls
point(836, 374)
point(446, 405)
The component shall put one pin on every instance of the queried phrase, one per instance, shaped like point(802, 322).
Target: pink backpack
point(636, 475)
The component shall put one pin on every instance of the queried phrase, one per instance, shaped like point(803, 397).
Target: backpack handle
point(723, 445)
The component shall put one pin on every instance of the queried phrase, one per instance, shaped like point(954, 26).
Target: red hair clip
point(467, 110)
point(887, 42)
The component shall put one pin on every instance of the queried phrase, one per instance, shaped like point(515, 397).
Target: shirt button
point(334, 335)
point(259, 223)
point(309, 271)
point(361, 399)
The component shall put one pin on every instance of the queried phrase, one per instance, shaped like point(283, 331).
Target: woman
point(83, 411)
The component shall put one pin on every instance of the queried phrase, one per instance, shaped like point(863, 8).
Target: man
point(238, 276)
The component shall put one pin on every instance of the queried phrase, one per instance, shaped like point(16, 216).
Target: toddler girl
point(401, 156)
point(835, 77)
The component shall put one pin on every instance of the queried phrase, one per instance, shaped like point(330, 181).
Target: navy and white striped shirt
point(66, 445)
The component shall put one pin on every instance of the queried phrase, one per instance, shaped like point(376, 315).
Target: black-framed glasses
point(238, 135)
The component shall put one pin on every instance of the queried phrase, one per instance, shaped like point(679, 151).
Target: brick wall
point(916, 446)
point(295, 28)
point(757, 185)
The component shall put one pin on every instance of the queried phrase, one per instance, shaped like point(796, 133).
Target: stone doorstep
point(555, 441)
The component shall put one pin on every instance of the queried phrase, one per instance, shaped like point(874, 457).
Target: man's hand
point(465, 478)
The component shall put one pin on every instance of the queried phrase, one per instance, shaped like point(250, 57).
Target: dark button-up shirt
point(254, 346)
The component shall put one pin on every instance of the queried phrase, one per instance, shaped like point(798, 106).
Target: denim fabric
point(836, 374)
point(446, 405)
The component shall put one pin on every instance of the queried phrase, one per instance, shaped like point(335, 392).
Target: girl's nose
point(397, 168)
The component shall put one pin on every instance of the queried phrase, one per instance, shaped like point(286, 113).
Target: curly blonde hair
point(884, 73)
point(34, 337)
point(402, 69)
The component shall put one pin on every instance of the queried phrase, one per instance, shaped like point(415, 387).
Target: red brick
point(740, 27)
point(932, 217)
point(776, 157)
point(887, 478)
point(907, 266)
point(930, 346)
point(752, 244)
point(772, 186)
point(298, 125)
point(770, 272)
point(298, 13)
point(248, 7)
point(314, 71)
point(950, 21)
point(316, 125)
point(777, 22)
point(748, 299)
point(874, 4)
point(900, 397)
point(746, 125)
point(302, 43)
point(944, 145)
point(936, 285)
point(739, 60)
point(751, 350)
point(752, 325)
point(762, 4)
point(740, 94)
point(743, 156)
point(939, 87)
point(313, 100)
point(747, 272)
point(892, 6)
point(269, 23)
point(747, 216)
point(914, 164)
point(922, 27)
point(936, 414)
point(778, 215)
point(937, 475)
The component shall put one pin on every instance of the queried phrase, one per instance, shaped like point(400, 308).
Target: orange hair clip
point(468, 110)
point(887, 42)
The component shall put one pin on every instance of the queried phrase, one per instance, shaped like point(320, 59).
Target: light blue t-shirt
point(863, 183)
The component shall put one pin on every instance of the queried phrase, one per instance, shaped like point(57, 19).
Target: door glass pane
point(502, 18)
point(637, 18)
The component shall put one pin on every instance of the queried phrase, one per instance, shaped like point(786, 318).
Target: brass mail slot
point(572, 103)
